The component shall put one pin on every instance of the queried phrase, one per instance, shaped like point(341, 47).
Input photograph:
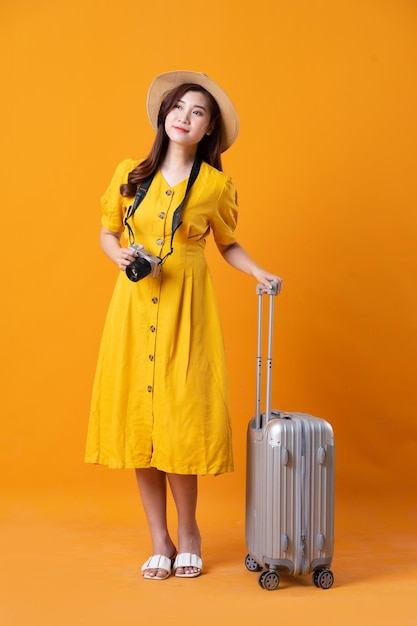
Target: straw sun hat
point(164, 83)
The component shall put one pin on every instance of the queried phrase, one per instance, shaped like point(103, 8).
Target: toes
point(187, 570)
point(155, 573)
point(148, 573)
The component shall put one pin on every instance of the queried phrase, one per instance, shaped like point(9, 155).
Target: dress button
point(151, 357)
point(149, 388)
point(159, 241)
point(168, 192)
point(152, 329)
point(154, 300)
point(161, 215)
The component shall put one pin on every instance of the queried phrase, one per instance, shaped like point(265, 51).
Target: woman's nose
point(184, 116)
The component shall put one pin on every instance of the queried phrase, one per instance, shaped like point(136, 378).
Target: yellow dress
point(160, 395)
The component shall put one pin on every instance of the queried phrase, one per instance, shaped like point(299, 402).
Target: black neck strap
point(140, 194)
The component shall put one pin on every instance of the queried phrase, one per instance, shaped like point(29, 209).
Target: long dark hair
point(208, 149)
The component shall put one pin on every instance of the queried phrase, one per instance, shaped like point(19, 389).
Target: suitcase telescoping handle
point(274, 291)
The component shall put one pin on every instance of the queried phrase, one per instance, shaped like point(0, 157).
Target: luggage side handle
point(260, 290)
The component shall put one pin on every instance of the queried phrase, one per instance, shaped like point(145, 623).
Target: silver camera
point(144, 265)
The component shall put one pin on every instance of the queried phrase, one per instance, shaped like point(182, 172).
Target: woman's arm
point(110, 244)
point(237, 257)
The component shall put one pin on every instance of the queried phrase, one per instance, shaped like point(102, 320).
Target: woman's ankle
point(189, 540)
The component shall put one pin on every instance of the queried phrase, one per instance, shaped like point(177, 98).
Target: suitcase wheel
point(323, 578)
point(269, 580)
point(251, 564)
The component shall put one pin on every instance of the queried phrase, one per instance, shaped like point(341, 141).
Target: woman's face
point(189, 120)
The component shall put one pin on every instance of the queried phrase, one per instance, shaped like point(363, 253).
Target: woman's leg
point(184, 491)
point(153, 490)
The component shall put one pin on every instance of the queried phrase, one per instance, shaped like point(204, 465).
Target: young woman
point(160, 401)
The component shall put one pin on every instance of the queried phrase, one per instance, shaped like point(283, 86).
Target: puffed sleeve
point(112, 203)
point(224, 219)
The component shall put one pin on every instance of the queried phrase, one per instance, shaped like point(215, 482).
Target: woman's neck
point(177, 164)
point(178, 156)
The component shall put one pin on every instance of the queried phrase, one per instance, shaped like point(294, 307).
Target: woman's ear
point(210, 129)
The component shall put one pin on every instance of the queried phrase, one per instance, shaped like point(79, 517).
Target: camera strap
point(140, 194)
point(176, 223)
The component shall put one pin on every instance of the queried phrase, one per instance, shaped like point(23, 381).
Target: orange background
point(325, 166)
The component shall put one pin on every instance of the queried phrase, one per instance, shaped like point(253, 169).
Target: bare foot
point(155, 568)
point(189, 542)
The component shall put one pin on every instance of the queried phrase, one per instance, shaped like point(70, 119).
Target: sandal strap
point(158, 561)
point(187, 559)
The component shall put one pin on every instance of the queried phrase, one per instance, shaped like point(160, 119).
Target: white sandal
point(158, 562)
point(186, 559)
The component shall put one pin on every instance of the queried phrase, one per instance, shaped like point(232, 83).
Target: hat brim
point(164, 83)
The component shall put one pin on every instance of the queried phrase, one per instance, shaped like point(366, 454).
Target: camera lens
point(138, 269)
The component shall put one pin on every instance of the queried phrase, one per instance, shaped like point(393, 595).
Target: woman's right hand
point(126, 257)
point(110, 244)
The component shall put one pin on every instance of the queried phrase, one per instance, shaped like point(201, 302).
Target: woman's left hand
point(266, 278)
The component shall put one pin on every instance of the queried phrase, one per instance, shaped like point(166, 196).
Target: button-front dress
point(160, 396)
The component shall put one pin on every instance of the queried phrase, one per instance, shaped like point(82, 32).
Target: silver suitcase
point(289, 485)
